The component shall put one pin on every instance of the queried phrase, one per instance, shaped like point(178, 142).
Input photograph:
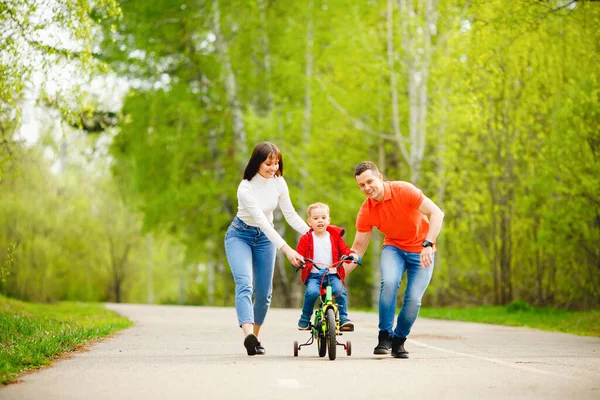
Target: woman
point(251, 240)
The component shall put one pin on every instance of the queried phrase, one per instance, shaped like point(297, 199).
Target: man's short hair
point(365, 165)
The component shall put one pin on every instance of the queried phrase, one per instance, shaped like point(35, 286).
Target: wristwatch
point(427, 243)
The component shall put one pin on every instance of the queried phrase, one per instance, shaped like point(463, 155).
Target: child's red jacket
point(339, 248)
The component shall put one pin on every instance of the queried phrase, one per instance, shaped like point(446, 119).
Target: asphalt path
point(175, 352)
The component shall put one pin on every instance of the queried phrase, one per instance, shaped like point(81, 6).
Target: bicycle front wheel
point(331, 333)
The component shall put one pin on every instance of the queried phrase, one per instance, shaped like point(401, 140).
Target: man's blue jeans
point(251, 257)
point(313, 289)
point(394, 262)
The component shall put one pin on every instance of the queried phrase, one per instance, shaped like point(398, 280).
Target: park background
point(125, 127)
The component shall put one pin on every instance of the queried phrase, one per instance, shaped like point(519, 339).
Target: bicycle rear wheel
point(322, 344)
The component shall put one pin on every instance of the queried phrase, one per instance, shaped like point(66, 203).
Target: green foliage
point(509, 100)
point(498, 130)
point(584, 323)
point(5, 269)
point(76, 238)
point(518, 306)
point(511, 155)
point(33, 335)
point(31, 40)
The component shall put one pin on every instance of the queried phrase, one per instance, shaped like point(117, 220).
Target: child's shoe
point(346, 326)
point(303, 326)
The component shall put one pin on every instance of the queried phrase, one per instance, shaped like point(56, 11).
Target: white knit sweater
point(258, 198)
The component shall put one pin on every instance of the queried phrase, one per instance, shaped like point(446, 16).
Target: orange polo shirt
point(397, 216)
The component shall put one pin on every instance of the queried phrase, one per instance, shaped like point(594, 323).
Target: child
point(323, 244)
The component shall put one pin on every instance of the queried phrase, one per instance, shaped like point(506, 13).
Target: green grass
point(32, 335)
point(519, 313)
point(585, 323)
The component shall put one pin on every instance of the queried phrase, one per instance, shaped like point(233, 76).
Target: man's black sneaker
point(398, 350)
point(385, 343)
point(260, 350)
point(250, 344)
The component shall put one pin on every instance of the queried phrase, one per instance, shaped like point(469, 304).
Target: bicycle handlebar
point(334, 265)
point(351, 257)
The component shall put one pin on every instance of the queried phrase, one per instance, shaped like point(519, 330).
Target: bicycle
point(326, 325)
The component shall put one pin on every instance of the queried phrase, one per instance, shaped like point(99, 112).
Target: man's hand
point(351, 258)
point(361, 241)
point(427, 257)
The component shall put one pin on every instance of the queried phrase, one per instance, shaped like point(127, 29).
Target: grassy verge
point(585, 323)
point(32, 335)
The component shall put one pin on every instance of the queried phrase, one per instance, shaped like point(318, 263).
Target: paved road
point(196, 353)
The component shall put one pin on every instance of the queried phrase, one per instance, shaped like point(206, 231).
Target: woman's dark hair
point(261, 152)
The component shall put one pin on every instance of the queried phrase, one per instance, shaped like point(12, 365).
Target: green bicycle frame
point(328, 295)
point(320, 322)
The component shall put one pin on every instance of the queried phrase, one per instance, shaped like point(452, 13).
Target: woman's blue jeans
point(251, 257)
point(394, 262)
point(313, 290)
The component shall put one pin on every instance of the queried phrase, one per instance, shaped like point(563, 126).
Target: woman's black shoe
point(250, 343)
point(260, 350)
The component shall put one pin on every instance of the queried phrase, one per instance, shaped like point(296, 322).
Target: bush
point(519, 306)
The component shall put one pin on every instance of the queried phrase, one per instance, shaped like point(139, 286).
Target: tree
point(468, 100)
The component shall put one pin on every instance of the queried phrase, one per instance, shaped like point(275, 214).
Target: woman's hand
point(295, 258)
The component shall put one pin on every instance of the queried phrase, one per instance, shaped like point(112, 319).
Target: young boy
point(323, 244)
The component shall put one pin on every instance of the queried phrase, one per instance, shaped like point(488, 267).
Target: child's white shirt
point(322, 250)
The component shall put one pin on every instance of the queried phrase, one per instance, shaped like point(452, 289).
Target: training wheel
point(295, 349)
point(348, 348)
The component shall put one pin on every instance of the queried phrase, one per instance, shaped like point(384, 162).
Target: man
point(411, 223)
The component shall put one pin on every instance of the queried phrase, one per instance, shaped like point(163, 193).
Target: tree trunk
point(284, 291)
point(213, 251)
point(150, 269)
point(280, 265)
point(376, 240)
point(441, 173)
point(118, 268)
point(423, 86)
point(308, 72)
point(417, 47)
point(495, 246)
point(182, 285)
point(296, 287)
point(239, 131)
point(391, 55)
point(266, 48)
